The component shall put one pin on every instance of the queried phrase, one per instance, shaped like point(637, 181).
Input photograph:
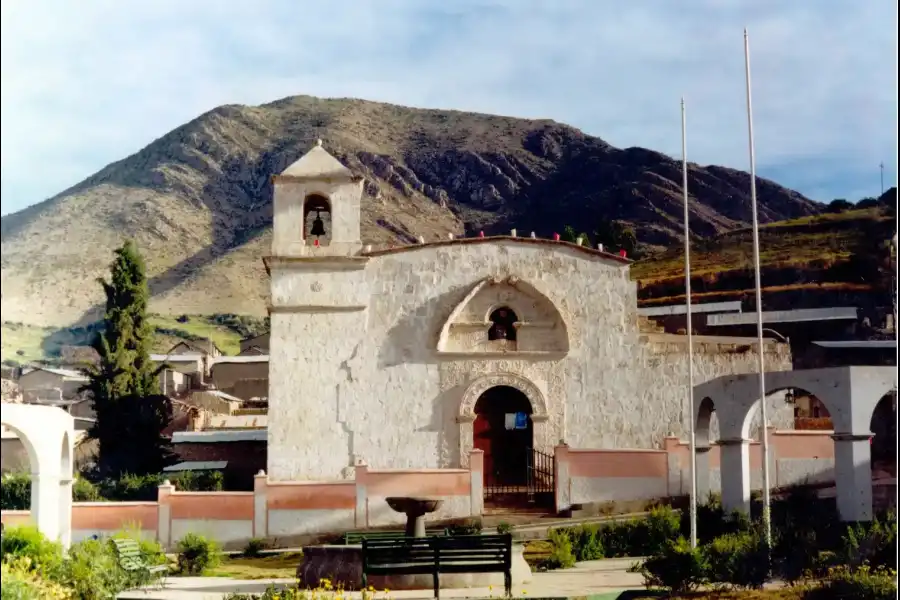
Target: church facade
point(410, 357)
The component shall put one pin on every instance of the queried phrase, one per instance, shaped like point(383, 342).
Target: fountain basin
point(342, 566)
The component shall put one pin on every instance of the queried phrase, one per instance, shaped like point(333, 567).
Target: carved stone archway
point(540, 414)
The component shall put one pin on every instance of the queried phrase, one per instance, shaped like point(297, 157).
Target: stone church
point(409, 357)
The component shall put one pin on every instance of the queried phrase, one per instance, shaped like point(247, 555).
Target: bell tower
point(316, 207)
point(319, 298)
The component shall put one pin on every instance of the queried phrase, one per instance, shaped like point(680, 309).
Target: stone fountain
point(415, 510)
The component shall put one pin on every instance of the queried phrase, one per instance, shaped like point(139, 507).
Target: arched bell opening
point(317, 221)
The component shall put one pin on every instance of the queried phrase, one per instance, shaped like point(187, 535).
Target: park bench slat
point(439, 554)
point(355, 537)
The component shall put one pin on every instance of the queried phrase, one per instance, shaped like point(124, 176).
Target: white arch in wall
point(540, 413)
point(850, 394)
point(48, 433)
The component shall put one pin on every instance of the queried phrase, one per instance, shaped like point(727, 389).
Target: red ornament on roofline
point(556, 237)
point(316, 242)
point(622, 253)
point(480, 234)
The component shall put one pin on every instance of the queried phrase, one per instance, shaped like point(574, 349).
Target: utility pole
point(881, 166)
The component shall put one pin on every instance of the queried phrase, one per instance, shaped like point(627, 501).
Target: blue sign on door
point(521, 420)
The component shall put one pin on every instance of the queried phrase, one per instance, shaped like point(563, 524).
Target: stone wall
point(356, 371)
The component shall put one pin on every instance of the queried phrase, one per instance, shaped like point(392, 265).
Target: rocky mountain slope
point(198, 200)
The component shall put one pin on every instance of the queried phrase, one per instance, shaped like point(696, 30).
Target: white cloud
point(84, 84)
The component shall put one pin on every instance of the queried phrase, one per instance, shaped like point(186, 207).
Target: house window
point(316, 220)
point(502, 324)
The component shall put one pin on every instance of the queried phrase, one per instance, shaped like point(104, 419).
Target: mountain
point(198, 200)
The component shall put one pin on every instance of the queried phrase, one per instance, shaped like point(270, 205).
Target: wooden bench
point(131, 560)
point(435, 555)
point(356, 537)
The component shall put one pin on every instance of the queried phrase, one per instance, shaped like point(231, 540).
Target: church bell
point(318, 226)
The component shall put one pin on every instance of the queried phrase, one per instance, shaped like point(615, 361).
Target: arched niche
point(500, 317)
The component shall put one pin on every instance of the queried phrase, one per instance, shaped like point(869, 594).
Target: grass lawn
point(272, 566)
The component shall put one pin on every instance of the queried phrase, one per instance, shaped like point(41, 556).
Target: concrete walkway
point(589, 578)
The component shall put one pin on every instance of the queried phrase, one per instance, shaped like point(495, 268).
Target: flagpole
point(764, 429)
point(690, 329)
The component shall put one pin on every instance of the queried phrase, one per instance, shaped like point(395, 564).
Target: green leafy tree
point(569, 235)
point(131, 413)
point(615, 235)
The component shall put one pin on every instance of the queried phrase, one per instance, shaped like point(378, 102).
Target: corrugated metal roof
point(221, 435)
point(197, 465)
point(867, 344)
point(680, 309)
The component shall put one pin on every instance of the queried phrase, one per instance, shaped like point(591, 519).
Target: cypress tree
point(131, 413)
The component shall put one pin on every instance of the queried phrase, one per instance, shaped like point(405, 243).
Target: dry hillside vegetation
point(811, 261)
point(198, 200)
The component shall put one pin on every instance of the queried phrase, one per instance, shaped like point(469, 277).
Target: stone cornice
point(348, 178)
point(315, 308)
point(331, 263)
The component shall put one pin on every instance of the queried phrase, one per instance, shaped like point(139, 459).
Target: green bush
point(738, 559)
point(92, 572)
point(873, 543)
point(643, 536)
point(15, 491)
point(861, 584)
point(503, 528)
point(22, 582)
point(254, 547)
point(196, 554)
point(84, 491)
point(467, 527)
point(586, 542)
point(45, 556)
point(561, 557)
point(678, 568)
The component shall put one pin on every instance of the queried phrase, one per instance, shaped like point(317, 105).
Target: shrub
point(862, 584)
point(196, 554)
point(561, 557)
point(254, 547)
point(586, 542)
point(15, 491)
point(92, 572)
point(26, 541)
point(678, 567)
point(641, 537)
point(22, 582)
point(84, 491)
point(738, 559)
point(467, 527)
point(503, 528)
point(873, 543)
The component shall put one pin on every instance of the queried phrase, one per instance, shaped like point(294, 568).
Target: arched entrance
point(516, 475)
point(503, 430)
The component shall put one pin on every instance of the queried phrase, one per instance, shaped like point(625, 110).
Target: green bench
point(436, 555)
point(356, 537)
point(131, 560)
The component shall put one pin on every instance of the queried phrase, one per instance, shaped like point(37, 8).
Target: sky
point(88, 83)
